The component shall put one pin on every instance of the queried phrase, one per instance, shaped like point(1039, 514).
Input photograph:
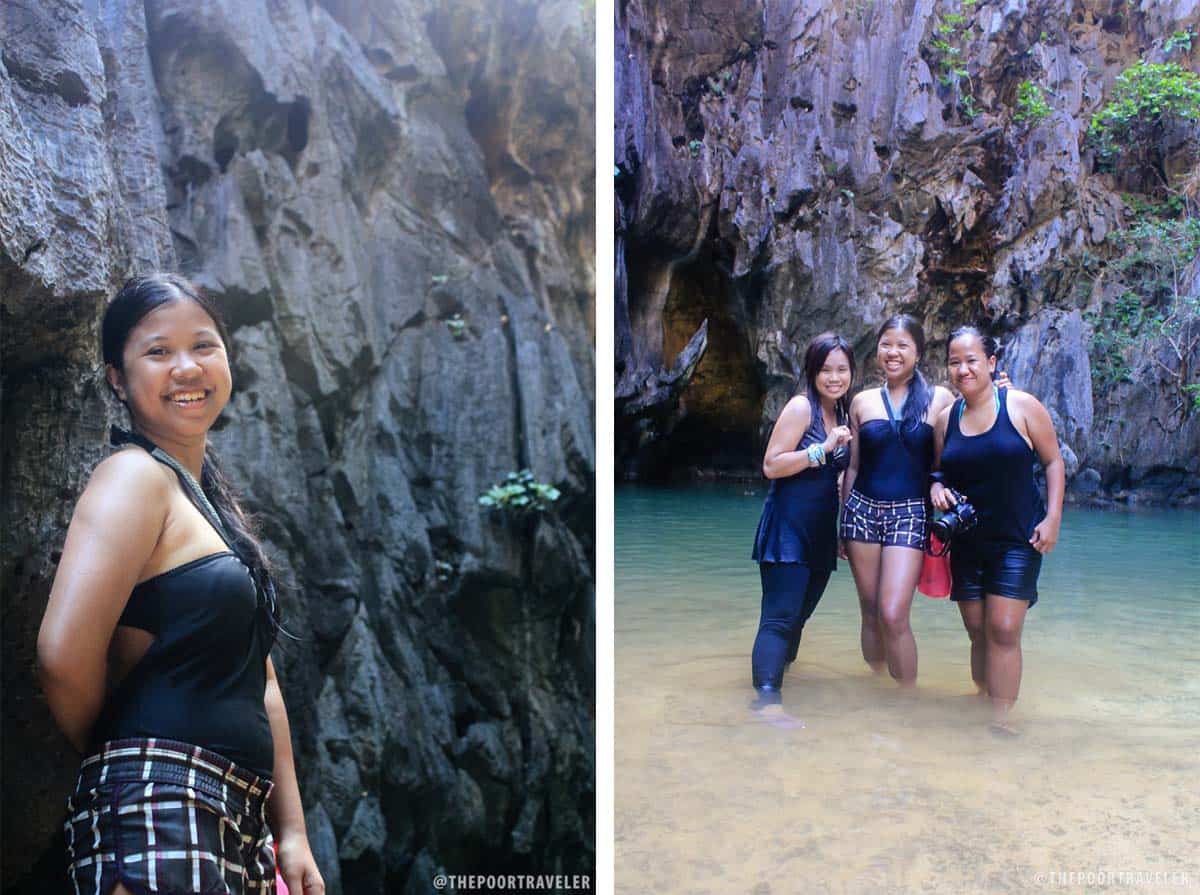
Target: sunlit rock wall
point(785, 168)
point(349, 180)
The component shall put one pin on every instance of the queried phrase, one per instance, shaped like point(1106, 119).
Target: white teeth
point(188, 397)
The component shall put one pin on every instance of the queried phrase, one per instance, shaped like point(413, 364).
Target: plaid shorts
point(165, 817)
point(891, 523)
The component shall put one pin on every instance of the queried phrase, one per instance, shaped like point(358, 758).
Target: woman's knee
point(870, 610)
point(894, 618)
point(1004, 633)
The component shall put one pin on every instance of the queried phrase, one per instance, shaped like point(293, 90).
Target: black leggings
point(790, 593)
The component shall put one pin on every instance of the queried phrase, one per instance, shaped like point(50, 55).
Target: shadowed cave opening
point(718, 413)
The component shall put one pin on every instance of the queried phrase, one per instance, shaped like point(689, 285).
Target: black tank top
point(204, 678)
point(995, 471)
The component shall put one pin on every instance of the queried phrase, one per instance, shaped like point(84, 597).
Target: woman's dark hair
point(990, 346)
point(814, 358)
point(919, 393)
point(136, 299)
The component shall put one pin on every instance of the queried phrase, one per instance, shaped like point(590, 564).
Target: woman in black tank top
point(154, 648)
point(986, 443)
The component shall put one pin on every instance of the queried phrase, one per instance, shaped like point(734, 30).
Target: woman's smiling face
point(834, 378)
point(969, 365)
point(896, 354)
point(176, 378)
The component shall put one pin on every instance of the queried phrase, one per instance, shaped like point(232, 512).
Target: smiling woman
point(154, 650)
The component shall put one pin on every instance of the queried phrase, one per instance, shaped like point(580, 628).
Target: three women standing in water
point(885, 518)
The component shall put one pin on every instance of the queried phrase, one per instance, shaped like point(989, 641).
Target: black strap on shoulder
point(118, 437)
point(887, 405)
point(268, 598)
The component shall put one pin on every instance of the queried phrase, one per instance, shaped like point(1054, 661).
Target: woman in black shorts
point(796, 541)
point(883, 528)
point(154, 649)
point(987, 442)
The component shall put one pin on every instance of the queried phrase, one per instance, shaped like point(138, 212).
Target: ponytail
point(915, 407)
point(238, 526)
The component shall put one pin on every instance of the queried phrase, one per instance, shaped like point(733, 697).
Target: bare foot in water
point(1004, 730)
point(777, 717)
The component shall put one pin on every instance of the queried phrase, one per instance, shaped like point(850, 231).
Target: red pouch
point(935, 571)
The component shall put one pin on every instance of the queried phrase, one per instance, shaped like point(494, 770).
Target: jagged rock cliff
point(791, 167)
point(392, 202)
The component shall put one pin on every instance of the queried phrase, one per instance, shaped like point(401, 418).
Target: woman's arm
point(781, 458)
point(285, 813)
point(113, 532)
point(940, 496)
point(1040, 428)
point(851, 472)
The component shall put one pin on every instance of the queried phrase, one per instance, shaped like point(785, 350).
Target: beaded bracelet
point(816, 455)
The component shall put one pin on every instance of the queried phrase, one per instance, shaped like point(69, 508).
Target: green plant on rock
point(951, 31)
point(1180, 40)
point(694, 147)
point(457, 326)
point(1031, 103)
point(1148, 102)
point(1194, 391)
point(520, 495)
point(1153, 303)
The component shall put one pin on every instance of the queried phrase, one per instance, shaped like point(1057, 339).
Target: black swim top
point(893, 461)
point(994, 470)
point(203, 679)
point(799, 518)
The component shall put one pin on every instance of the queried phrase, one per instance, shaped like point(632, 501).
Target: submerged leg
point(817, 581)
point(783, 589)
point(1004, 620)
point(864, 563)
point(972, 616)
point(899, 571)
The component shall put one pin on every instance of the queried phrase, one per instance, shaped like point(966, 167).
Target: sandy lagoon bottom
point(883, 792)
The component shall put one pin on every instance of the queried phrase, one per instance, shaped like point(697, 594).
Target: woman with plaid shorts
point(154, 649)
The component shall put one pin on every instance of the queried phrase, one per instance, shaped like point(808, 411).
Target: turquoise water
point(882, 792)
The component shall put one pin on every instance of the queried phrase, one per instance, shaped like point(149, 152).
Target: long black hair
point(136, 299)
point(991, 347)
point(919, 393)
point(814, 358)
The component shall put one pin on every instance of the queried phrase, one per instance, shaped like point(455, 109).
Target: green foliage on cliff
point(1031, 103)
point(1152, 304)
point(519, 495)
point(951, 32)
point(1148, 101)
point(1180, 40)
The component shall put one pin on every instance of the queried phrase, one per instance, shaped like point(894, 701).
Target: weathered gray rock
point(347, 180)
point(788, 168)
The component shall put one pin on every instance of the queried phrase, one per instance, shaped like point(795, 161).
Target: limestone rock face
point(392, 204)
point(787, 168)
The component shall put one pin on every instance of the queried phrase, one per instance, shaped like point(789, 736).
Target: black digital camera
point(960, 518)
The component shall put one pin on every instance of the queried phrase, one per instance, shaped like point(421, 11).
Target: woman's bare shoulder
point(129, 476)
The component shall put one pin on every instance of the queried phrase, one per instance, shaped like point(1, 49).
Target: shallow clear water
point(882, 792)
